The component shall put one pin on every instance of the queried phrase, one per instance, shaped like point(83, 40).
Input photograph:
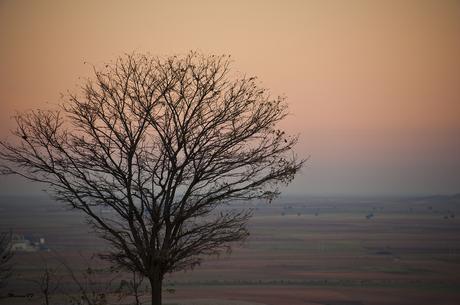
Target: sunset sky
point(373, 86)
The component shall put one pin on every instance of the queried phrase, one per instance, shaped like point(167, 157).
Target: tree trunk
point(156, 283)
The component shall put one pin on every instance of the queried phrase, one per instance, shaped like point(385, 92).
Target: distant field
point(336, 251)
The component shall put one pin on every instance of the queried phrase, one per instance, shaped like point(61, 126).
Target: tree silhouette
point(5, 256)
point(153, 150)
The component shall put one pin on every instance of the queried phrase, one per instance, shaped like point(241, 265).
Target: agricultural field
point(302, 250)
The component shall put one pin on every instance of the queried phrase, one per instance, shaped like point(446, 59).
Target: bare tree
point(5, 256)
point(132, 288)
point(47, 283)
point(150, 151)
point(89, 290)
point(79, 286)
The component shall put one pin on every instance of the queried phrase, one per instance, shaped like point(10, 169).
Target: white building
point(21, 244)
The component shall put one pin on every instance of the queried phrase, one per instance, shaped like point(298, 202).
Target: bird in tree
point(154, 150)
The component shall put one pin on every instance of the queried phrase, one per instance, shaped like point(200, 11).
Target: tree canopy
point(151, 148)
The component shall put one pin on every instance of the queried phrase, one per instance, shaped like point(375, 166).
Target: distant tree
point(5, 256)
point(150, 152)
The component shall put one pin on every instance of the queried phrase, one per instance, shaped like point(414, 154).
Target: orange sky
point(373, 86)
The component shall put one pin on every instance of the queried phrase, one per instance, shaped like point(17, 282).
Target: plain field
point(337, 251)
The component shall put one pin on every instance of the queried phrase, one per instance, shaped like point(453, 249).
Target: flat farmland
point(302, 250)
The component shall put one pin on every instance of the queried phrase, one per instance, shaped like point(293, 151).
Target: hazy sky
point(373, 86)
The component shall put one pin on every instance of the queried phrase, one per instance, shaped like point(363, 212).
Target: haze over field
point(372, 85)
point(304, 250)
